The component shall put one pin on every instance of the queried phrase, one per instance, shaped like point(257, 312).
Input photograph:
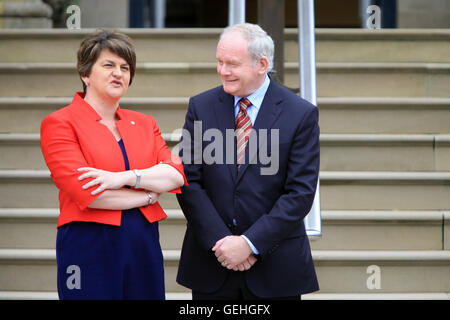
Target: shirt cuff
point(255, 251)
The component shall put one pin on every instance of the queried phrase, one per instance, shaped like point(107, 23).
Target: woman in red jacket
point(110, 166)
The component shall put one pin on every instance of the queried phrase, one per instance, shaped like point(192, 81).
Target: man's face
point(235, 68)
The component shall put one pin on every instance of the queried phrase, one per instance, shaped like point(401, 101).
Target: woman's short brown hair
point(94, 44)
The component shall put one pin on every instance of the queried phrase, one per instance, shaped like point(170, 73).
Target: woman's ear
point(85, 80)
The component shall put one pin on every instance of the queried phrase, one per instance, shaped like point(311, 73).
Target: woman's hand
point(155, 196)
point(106, 179)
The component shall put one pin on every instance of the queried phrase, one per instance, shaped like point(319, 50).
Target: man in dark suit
point(247, 196)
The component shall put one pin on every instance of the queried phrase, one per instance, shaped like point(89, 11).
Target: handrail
point(308, 90)
point(236, 12)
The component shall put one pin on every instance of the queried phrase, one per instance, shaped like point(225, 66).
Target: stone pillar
point(271, 19)
point(18, 14)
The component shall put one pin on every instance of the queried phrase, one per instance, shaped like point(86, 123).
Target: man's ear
point(264, 65)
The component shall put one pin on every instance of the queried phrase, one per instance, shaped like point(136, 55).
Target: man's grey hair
point(259, 43)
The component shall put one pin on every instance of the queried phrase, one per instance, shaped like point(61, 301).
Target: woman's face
point(109, 78)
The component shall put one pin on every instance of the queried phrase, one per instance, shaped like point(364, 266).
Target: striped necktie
point(243, 129)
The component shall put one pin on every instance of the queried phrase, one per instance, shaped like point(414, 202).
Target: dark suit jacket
point(269, 209)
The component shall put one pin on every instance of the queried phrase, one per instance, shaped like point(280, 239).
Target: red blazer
point(72, 138)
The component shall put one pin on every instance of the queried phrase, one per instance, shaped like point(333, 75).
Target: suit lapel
point(268, 113)
point(224, 111)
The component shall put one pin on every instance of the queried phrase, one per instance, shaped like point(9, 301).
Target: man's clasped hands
point(233, 252)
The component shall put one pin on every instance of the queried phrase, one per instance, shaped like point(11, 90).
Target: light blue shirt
point(256, 99)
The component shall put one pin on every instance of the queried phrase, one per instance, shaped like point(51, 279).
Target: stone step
point(337, 115)
point(339, 152)
point(187, 79)
point(384, 115)
point(199, 45)
point(338, 190)
point(384, 190)
point(341, 230)
point(386, 45)
point(399, 271)
point(377, 296)
point(49, 295)
point(347, 271)
point(383, 230)
point(383, 152)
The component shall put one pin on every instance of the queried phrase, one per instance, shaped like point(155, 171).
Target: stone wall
point(104, 13)
point(423, 13)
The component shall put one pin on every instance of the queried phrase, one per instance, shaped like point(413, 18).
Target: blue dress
point(99, 261)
